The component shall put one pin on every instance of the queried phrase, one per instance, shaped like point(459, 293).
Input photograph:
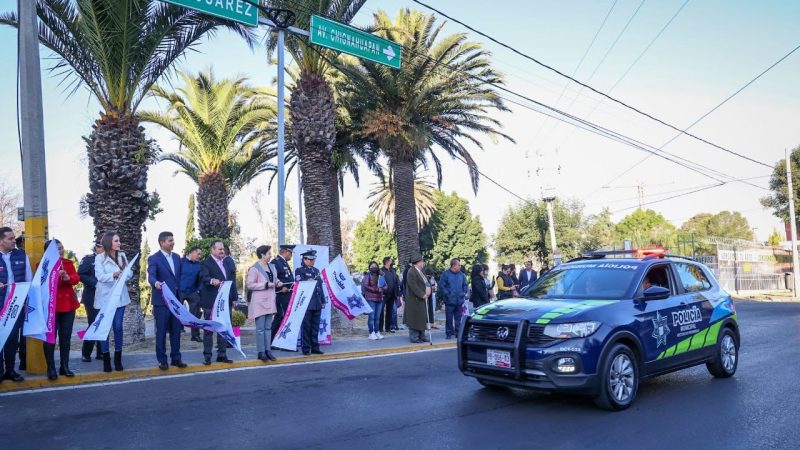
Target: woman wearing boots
point(108, 267)
point(262, 279)
point(66, 304)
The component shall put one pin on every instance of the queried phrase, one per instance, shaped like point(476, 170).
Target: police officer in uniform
point(308, 272)
point(283, 267)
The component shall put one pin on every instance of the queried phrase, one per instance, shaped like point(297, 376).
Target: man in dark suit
point(86, 274)
point(214, 271)
point(307, 272)
point(527, 276)
point(164, 268)
point(283, 267)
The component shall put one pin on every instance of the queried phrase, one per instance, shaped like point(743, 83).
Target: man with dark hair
point(190, 285)
point(14, 268)
point(307, 272)
point(89, 280)
point(215, 270)
point(390, 295)
point(283, 268)
point(453, 288)
point(164, 269)
point(527, 276)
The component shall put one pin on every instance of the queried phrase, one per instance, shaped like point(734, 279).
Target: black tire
point(726, 355)
point(619, 379)
point(490, 386)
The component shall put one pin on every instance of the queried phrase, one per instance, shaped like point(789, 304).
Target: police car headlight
point(571, 330)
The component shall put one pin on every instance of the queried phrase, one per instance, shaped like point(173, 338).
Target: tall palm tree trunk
point(313, 112)
point(119, 155)
point(336, 220)
point(405, 211)
point(212, 206)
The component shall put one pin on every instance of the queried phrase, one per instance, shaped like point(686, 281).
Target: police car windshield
point(608, 281)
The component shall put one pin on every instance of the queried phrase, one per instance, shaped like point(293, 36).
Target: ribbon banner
point(40, 319)
point(12, 307)
point(324, 337)
point(289, 329)
point(342, 290)
point(98, 330)
point(187, 319)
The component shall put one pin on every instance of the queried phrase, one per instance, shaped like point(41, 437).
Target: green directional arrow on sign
point(346, 39)
point(241, 11)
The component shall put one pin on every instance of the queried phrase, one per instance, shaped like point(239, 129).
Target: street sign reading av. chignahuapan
point(241, 11)
point(346, 39)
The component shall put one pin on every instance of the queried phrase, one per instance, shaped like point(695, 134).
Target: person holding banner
point(214, 270)
point(373, 293)
point(164, 268)
point(262, 282)
point(190, 285)
point(66, 304)
point(283, 268)
point(418, 292)
point(86, 274)
point(14, 268)
point(108, 267)
point(308, 272)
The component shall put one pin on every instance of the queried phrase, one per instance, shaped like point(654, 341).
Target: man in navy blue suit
point(528, 276)
point(164, 268)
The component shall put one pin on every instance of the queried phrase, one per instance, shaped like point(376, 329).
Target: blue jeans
point(452, 319)
point(375, 316)
point(116, 326)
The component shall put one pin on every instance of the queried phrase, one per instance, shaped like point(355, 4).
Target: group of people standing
point(382, 290)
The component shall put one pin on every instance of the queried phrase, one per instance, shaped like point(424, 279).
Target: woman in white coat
point(108, 267)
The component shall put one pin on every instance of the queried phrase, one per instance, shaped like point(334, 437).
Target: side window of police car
point(692, 277)
point(657, 276)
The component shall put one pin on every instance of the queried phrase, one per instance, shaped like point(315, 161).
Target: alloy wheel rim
point(728, 352)
point(621, 377)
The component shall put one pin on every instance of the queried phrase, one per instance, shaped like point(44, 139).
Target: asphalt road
point(421, 401)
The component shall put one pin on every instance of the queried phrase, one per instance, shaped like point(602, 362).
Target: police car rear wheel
point(726, 356)
point(619, 379)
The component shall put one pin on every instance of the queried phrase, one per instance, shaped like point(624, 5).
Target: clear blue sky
point(711, 49)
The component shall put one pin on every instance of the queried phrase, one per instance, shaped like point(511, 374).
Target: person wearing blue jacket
point(453, 289)
point(190, 285)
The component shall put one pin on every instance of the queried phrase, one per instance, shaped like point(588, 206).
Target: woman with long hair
point(108, 268)
point(262, 280)
point(66, 304)
point(480, 295)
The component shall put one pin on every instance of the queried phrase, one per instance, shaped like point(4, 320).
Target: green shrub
point(205, 245)
point(238, 319)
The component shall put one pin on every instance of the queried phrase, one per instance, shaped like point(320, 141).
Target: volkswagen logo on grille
point(502, 333)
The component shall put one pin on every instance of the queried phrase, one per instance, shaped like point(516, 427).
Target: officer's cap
point(311, 254)
point(287, 247)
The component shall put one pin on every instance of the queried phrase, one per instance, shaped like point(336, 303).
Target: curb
point(103, 377)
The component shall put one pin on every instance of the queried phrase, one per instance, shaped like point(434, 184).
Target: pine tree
point(453, 232)
point(372, 243)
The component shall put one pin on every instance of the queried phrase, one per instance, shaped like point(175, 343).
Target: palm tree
point(382, 200)
point(227, 132)
point(118, 49)
point(440, 97)
point(313, 114)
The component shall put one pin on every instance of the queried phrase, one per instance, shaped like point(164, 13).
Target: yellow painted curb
point(103, 377)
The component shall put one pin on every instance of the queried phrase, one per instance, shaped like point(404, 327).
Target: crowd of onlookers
point(454, 291)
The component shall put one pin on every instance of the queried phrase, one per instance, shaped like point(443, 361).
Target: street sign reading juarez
point(242, 11)
point(346, 39)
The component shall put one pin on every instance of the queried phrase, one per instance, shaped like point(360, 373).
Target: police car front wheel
point(726, 356)
point(619, 378)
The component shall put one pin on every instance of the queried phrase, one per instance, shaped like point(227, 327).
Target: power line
point(615, 100)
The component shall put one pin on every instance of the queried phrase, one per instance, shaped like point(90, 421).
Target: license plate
point(498, 358)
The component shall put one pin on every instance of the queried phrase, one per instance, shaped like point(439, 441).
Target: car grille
point(489, 333)
point(536, 335)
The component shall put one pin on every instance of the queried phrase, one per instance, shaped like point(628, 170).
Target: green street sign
point(346, 39)
point(241, 11)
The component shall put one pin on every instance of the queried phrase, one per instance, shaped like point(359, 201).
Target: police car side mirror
point(655, 293)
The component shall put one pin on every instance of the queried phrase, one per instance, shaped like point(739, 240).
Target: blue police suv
point(599, 324)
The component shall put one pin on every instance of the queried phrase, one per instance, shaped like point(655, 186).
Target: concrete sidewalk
point(142, 364)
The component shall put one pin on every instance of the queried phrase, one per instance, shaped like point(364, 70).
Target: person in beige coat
point(418, 291)
point(261, 281)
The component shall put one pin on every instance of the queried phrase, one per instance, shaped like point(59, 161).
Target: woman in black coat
point(480, 294)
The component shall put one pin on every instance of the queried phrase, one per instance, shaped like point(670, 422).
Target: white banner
point(181, 312)
point(40, 319)
point(222, 314)
point(293, 321)
point(98, 330)
point(342, 290)
point(324, 337)
point(13, 305)
point(320, 263)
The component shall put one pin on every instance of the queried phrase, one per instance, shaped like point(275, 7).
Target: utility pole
point(556, 255)
point(792, 223)
point(300, 206)
point(34, 170)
